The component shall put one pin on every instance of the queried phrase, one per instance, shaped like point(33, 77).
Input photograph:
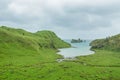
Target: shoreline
point(71, 58)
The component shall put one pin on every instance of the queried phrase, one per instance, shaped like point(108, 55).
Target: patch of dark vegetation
point(109, 43)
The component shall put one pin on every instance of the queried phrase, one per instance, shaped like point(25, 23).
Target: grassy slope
point(20, 47)
point(34, 61)
point(38, 40)
point(106, 57)
point(109, 43)
point(17, 43)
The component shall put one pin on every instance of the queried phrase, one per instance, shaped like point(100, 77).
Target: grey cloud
point(67, 16)
point(80, 20)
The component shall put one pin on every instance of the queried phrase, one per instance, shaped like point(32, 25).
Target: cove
point(77, 49)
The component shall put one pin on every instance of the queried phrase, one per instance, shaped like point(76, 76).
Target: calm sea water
point(78, 49)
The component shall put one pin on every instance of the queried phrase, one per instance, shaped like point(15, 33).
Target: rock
point(76, 41)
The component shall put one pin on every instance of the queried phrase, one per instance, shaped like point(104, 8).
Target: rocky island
point(76, 40)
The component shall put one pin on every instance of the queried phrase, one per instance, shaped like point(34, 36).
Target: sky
point(85, 19)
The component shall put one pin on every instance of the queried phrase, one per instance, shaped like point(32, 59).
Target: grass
point(103, 58)
point(32, 57)
point(103, 65)
point(110, 43)
point(36, 41)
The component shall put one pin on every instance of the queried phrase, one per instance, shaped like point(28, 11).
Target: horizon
point(82, 19)
point(59, 36)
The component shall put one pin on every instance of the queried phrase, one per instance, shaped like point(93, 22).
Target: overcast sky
point(86, 19)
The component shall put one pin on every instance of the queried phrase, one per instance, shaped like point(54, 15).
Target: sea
point(77, 49)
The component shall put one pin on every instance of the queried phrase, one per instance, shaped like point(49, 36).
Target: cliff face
point(13, 38)
point(109, 43)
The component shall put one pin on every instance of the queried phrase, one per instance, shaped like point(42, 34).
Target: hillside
point(32, 56)
point(18, 46)
point(109, 43)
point(41, 39)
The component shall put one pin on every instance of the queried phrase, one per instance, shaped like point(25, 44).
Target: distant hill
point(11, 38)
point(109, 43)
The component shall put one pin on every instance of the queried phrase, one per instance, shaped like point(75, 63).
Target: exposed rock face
point(76, 41)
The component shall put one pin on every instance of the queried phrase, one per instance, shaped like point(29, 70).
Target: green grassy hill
point(38, 40)
point(109, 43)
point(32, 56)
point(18, 46)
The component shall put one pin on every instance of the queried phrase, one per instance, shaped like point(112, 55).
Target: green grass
point(32, 56)
point(103, 65)
point(36, 41)
point(102, 58)
point(110, 43)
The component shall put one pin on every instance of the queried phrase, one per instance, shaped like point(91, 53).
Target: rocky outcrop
point(76, 41)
